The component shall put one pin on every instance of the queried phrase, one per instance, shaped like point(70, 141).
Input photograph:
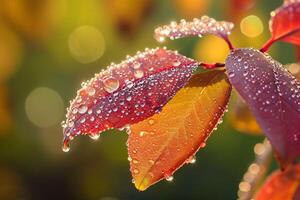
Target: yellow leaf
point(160, 145)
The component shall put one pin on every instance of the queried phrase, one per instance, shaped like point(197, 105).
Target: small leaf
point(285, 22)
point(273, 96)
point(127, 93)
point(198, 27)
point(160, 145)
point(281, 185)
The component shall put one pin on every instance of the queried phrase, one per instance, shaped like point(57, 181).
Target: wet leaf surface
point(127, 93)
point(273, 96)
point(160, 145)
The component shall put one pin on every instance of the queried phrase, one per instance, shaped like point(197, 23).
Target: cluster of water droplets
point(126, 92)
point(197, 27)
point(272, 93)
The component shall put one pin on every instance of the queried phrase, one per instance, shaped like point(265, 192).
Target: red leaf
point(160, 145)
point(281, 185)
point(285, 22)
point(273, 95)
point(198, 27)
point(127, 93)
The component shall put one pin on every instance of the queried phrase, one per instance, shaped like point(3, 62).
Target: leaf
point(285, 22)
point(273, 96)
point(241, 118)
point(198, 27)
point(161, 144)
point(281, 185)
point(127, 93)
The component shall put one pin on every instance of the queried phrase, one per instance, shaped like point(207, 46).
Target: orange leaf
point(160, 145)
point(281, 185)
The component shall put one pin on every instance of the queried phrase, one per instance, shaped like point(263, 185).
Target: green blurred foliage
point(35, 53)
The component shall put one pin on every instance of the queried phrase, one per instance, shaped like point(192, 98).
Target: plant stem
point(230, 46)
point(256, 171)
point(269, 43)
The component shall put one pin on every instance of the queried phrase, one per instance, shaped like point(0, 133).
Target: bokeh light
point(206, 48)
point(44, 107)
point(86, 44)
point(251, 26)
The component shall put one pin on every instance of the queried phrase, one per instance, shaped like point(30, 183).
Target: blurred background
point(48, 47)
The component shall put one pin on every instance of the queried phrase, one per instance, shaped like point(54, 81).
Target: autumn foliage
point(169, 111)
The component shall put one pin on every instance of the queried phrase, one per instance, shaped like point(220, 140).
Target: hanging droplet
point(169, 178)
point(192, 160)
point(95, 136)
point(82, 109)
point(66, 147)
point(111, 84)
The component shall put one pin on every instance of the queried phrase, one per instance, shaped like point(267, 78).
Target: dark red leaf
point(273, 96)
point(285, 22)
point(127, 93)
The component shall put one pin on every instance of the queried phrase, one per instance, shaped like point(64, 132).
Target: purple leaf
point(273, 95)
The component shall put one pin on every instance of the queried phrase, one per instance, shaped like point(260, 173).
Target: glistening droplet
point(111, 84)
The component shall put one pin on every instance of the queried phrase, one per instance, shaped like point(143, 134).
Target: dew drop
point(176, 63)
point(129, 84)
point(95, 136)
point(111, 84)
point(136, 171)
point(169, 178)
point(151, 121)
point(128, 98)
point(82, 109)
point(192, 160)
point(66, 147)
point(136, 65)
point(231, 74)
point(138, 73)
point(134, 161)
point(91, 91)
point(74, 111)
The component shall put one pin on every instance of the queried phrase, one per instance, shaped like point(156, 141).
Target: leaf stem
point(269, 43)
point(230, 46)
point(256, 171)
